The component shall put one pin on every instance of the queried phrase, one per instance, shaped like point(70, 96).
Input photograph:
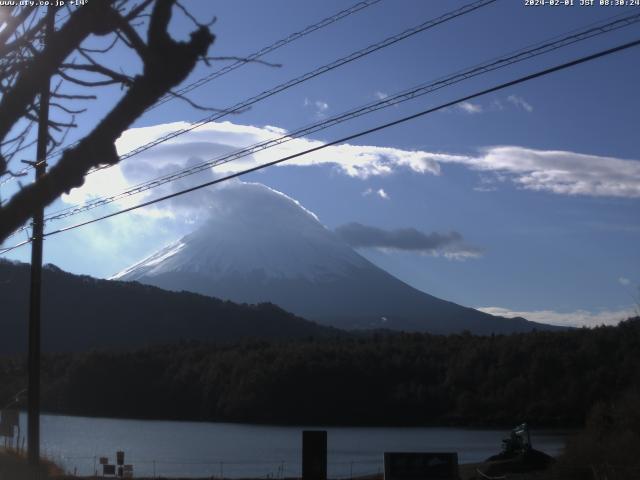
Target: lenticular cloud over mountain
point(259, 245)
point(252, 230)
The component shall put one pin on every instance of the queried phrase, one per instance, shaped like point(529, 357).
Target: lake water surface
point(192, 449)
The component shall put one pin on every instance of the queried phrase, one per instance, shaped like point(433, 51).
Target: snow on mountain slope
point(253, 229)
point(261, 245)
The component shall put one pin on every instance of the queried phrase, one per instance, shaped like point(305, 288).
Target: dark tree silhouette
point(25, 60)
point(543, 378)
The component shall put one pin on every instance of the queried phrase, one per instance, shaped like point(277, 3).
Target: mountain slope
point(81, 313)
point(260, 245)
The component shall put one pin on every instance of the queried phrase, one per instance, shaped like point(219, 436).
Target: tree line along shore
point(548, 379)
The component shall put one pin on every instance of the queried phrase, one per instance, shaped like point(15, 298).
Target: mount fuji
point(259, 245)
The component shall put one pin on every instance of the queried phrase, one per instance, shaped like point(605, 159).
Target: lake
point(193, 449)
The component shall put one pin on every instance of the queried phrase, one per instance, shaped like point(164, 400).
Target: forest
point(130, 315)
point(544, 378)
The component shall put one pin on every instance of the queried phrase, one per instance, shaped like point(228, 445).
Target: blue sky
point(542, 179)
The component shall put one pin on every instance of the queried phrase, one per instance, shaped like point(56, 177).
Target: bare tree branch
point(13, 24)
point(100, 50)
point(73, 97)
point(137, 10)
point(131, 38)
point(67, 109)
point(166, 63)
point(187, 14)
point(86, 83)
point(83, 22)
point(197, 106)
point(107, 72)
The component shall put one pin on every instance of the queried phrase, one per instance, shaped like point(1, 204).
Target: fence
point(219, 469)
point(587, 472)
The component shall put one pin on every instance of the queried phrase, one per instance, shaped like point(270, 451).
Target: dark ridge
point(80, 313)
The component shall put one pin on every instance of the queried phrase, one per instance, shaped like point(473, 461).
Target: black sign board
point(420, 466)
point(108, 470)
point(314, 455)
point(120, 458)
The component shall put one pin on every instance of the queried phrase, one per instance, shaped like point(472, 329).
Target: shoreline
point(17, 469)
point(563, 429)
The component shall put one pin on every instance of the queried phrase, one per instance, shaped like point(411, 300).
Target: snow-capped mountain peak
point(253, 229)
point(259, 245)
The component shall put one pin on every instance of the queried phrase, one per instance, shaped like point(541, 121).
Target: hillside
point(81, 313)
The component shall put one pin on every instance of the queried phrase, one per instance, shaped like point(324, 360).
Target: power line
point(14, 247)
point(468, 8)
point(266, 50)
point(424, 89)
point(239, 63)
point(422, 113)
point(241, 106)
point(307, 76)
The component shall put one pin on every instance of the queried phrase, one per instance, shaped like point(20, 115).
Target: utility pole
point(33, 426)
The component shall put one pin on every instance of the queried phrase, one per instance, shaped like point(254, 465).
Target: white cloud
point(322, 106)
point(464, 252)
point(558, 172)
point(561, 172)
point(380, 95)
point(210, 140)
point(553, 171)
point(487, 183)
point(520, 102)
point(319, 106)
point(380, 193)
point(624, 281)
point(578, 318)
point(469, 107)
